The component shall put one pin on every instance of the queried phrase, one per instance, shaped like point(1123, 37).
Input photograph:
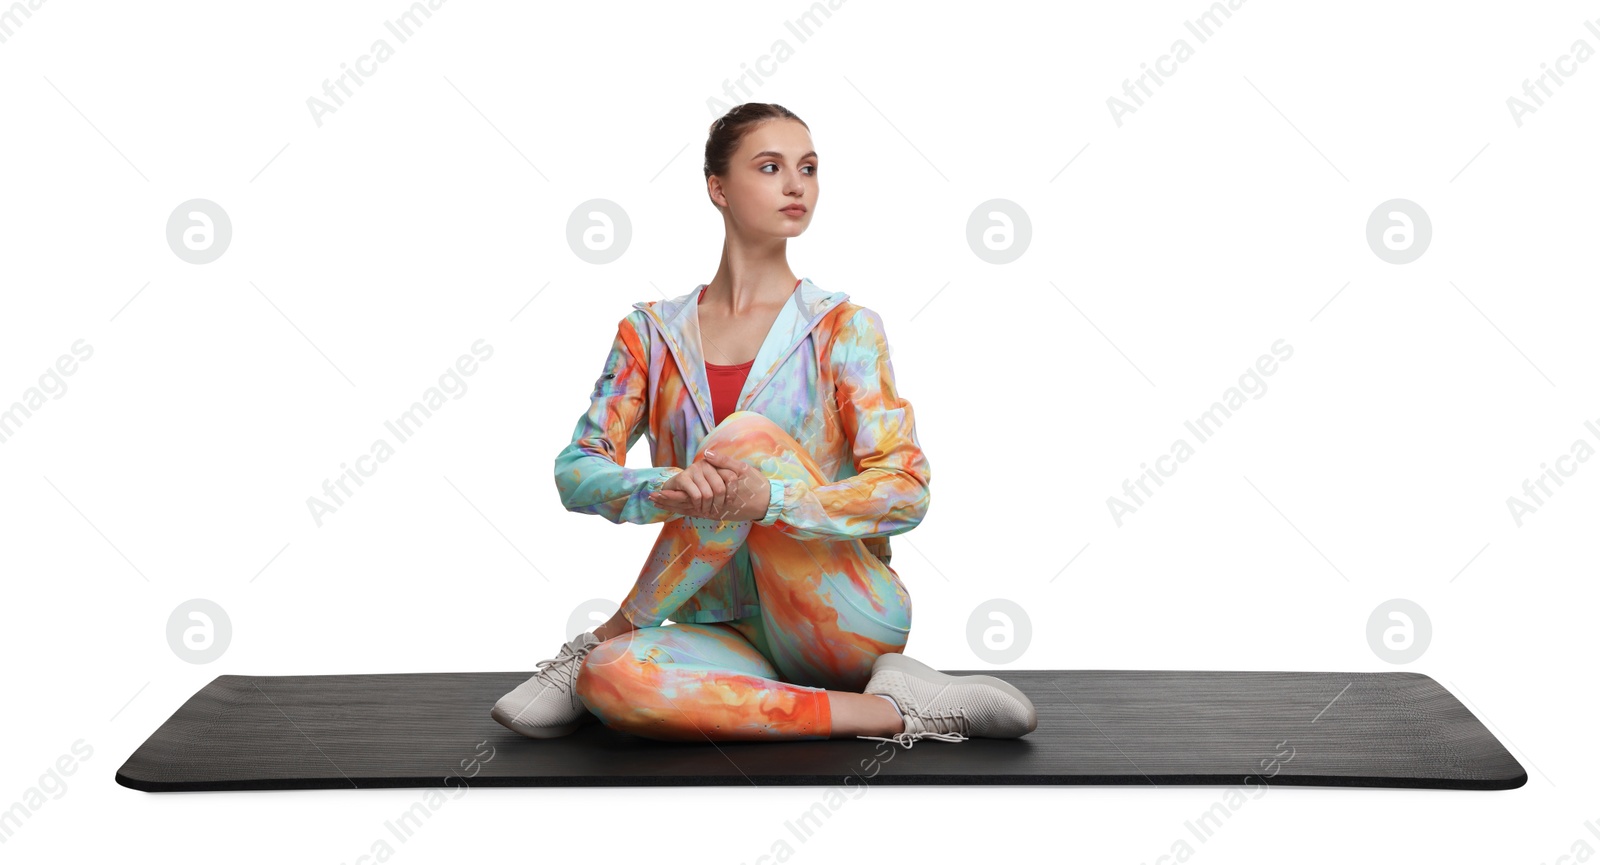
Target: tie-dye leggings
point(829, 608)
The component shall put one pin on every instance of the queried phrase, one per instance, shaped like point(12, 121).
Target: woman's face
point(771, 177)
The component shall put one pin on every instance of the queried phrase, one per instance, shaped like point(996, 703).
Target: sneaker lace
point(947, 725)
point(558, 671)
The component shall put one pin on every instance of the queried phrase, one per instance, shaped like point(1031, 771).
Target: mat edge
point(1323, 782)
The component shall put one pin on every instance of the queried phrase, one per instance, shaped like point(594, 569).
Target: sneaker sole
point(906, 665)
point(535, 732)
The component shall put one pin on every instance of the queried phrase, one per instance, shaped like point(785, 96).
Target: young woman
point(783, 460)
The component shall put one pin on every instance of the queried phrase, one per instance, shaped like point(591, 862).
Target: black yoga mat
point(1128, 727)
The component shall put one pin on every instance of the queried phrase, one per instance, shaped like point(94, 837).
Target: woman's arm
point(890, 494)
point(590, 471)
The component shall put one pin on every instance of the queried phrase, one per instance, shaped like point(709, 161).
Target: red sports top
point(727, 379)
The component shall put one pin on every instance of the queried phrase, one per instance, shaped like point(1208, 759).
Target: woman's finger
point(742, 486)
point(718, 506)
point(719, 494)
point(677, 501)
point(686, 485)
point(731, 481)
point(672, 500)
point(701, 488)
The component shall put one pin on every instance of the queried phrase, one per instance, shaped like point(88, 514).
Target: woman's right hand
point(706, 486)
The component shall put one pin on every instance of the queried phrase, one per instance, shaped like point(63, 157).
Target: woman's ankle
point(864, 715)
point(616, 626)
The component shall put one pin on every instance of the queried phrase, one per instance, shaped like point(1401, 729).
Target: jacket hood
point(677, 320)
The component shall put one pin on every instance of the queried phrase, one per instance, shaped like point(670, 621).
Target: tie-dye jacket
point(822, 375)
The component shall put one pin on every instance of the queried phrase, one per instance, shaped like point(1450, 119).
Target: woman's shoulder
point(847, 315)
point(639, 317)
point(853, 332)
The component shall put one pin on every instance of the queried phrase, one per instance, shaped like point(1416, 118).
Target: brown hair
point(729, 129)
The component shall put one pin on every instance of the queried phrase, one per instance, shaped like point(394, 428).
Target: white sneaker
point(547, 705)
point(949, 708)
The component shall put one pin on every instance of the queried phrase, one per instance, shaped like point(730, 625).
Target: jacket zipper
point(736, 597)
point(812, 325)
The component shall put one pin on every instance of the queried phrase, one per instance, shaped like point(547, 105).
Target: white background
point(430, 210)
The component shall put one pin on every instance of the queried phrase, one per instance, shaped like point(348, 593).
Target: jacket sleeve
point(889, 494)
point(590, 472)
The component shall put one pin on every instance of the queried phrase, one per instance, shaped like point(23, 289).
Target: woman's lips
point(794, 211)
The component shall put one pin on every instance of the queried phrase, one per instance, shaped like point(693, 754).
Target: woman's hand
point(717, 488)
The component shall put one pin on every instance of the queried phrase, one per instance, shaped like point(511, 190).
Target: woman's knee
point(741, 431)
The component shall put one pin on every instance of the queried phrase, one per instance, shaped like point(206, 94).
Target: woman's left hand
point(746, 499)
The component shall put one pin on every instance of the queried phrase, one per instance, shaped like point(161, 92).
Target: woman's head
point(760, 161)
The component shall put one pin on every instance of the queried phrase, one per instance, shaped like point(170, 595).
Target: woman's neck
point(746, 282)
